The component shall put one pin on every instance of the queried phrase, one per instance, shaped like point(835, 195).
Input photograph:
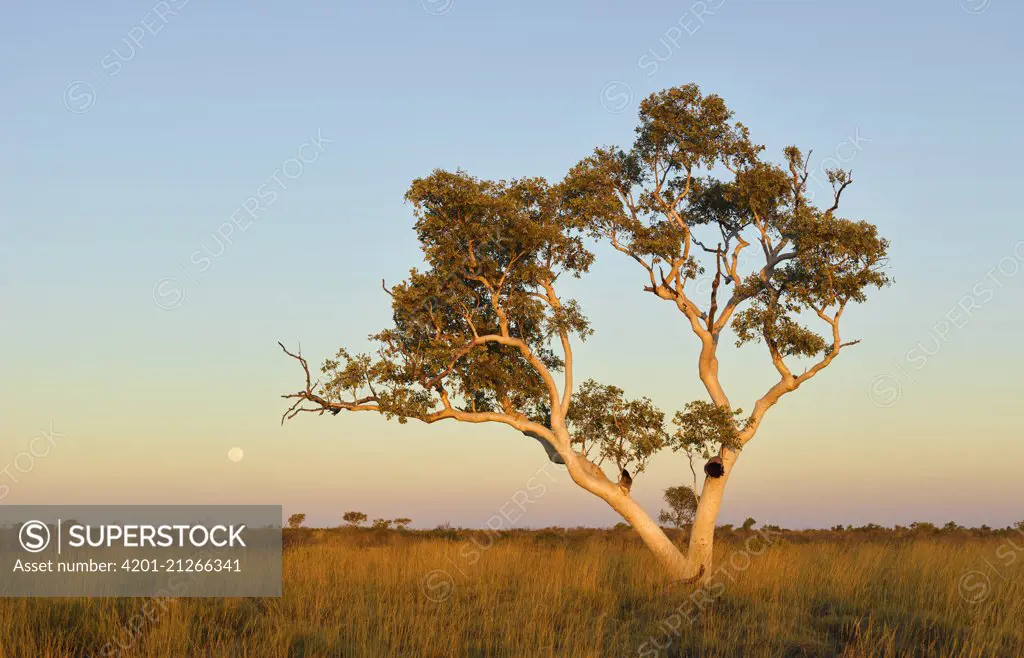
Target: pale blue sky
point(121, 159)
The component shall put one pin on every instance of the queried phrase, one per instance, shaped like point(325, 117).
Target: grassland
point(572, 594)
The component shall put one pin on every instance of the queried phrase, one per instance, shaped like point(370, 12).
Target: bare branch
point(847, 180)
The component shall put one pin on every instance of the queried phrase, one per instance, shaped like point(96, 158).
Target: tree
point(354, 519)
point(682, 506)
point(296, 520)
point(401, 523)
point(481, 334)
point(381, 524)
point(686, 199)
point(749, 523)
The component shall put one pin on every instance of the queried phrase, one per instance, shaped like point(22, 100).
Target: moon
point(236, 454)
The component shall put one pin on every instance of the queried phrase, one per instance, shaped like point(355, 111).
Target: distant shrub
point(354, 519)
point(445, 531)
point(682, 507)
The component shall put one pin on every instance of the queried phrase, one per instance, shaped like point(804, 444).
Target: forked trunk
point(695, 564)
point(591, 478)
point(668, 554)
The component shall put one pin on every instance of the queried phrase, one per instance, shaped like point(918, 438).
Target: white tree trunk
point(591, 478)
point(702, 534)
point(695, 564)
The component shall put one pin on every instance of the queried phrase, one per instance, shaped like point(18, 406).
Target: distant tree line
point(679, 516)
point(354, 519)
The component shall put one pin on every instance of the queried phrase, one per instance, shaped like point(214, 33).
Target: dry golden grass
point(389, 594)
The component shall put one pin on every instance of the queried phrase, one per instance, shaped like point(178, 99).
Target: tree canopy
point(687, 198)
point(479, 332)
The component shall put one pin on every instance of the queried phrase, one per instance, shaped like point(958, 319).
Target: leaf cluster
point(606, 426)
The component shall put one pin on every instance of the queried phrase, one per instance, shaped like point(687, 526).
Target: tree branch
point(790, 383)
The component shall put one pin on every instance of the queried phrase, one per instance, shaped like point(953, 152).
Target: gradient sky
point(123, 151)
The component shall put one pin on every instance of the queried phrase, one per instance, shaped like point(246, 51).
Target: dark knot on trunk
point(714, 468)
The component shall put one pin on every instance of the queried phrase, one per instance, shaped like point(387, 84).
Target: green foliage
point(479, 329)
point(682, 507)
point(492, 251)
point(354, 519)
point(381, 524)
point(749, 523)
point(704, 427)
point(607, 426)
point(402, 522)
point(766, 320)
point(296, 520)
point(693, 191)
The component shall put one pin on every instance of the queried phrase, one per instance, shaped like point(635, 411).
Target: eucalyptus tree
point(684, 202)
point(481, 334)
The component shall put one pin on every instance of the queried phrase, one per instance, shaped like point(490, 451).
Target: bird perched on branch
point(625, 481)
